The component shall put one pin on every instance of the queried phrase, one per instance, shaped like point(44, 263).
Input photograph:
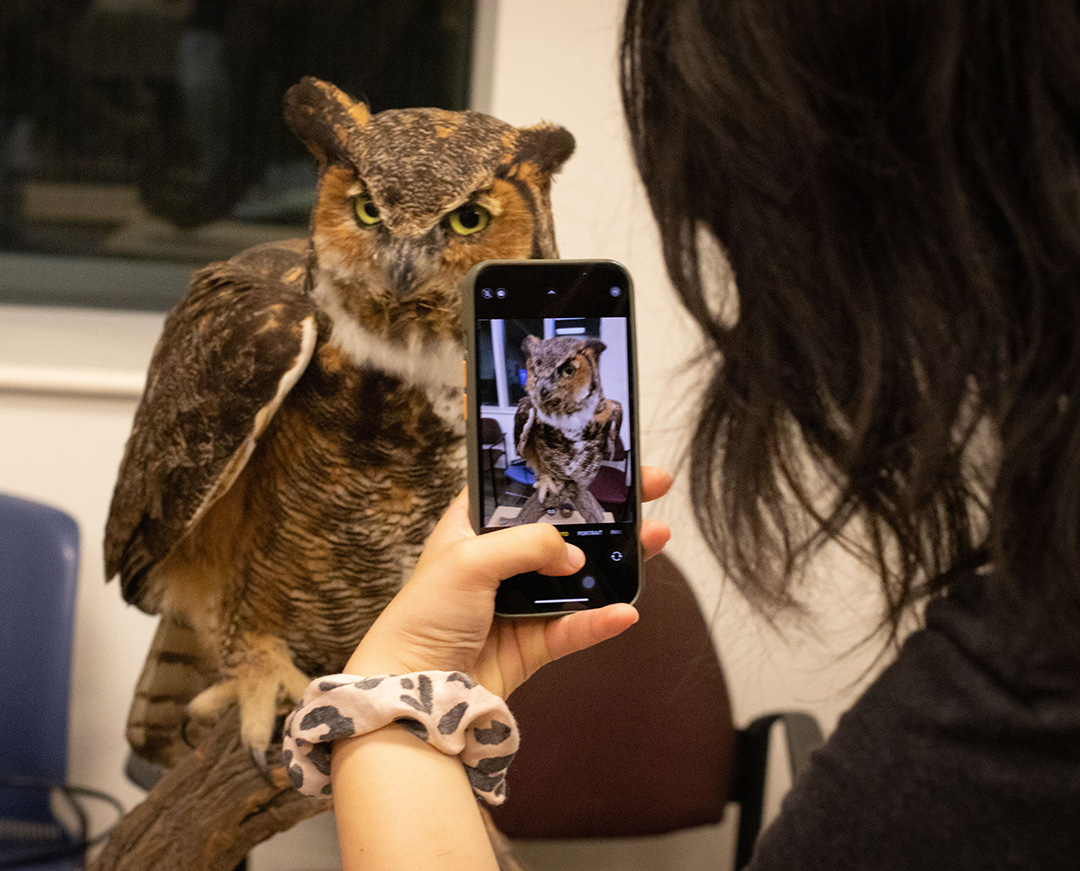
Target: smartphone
point(551, 414)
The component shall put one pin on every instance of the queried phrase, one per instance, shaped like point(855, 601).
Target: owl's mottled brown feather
point(218, 363)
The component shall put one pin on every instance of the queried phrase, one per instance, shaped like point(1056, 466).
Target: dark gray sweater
point(963, 754)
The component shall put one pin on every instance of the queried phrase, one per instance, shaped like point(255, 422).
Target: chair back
point(490, 431)
point(39, 563)
point(631, 737)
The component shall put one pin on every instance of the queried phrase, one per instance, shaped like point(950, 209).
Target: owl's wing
point(228, 356)
point(523, 421)
point(614, 425)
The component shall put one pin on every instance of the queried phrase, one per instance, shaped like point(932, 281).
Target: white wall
point(552, 60)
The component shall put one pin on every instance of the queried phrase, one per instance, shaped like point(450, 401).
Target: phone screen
point(552, 429)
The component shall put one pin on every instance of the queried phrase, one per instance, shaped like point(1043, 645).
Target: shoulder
point(949, 759)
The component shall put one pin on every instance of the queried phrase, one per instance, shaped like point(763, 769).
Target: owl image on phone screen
point(564, 427)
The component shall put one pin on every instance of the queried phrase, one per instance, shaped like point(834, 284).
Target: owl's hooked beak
point(409, 263)
point(403, 274)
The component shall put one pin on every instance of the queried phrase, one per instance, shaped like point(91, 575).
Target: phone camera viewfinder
point(616, 291)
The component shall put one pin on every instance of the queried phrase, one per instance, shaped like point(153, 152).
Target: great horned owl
point(301, 428)
point(564, 426)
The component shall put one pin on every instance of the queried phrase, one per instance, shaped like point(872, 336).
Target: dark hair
point(896, 187)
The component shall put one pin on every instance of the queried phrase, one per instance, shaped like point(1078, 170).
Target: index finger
point(655, 482)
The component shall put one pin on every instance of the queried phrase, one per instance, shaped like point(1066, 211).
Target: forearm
point(400, 803)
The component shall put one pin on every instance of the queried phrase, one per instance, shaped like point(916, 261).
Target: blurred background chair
point(635, 736)
point(520, 482)
point(39, 564)
point(492, 448)
point(43, 824)
point(610, 486)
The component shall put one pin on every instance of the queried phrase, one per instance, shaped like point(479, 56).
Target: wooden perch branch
point(208, 812)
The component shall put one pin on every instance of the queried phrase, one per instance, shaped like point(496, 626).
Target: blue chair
point(39, 563)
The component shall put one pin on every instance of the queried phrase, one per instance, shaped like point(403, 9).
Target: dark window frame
point(63, 275)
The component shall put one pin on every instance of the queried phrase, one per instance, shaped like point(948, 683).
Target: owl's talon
point(185, 721)
point(258, 756)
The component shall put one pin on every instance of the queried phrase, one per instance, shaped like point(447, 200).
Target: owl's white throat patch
point(571, 424)
point(432, 366)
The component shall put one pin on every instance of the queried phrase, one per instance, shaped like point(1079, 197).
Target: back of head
point(896, 187)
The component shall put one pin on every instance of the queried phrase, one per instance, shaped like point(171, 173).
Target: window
point(140, 139)
point(514, 333)
point(485, 370)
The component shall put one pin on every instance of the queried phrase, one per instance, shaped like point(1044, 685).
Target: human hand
point(444, 617)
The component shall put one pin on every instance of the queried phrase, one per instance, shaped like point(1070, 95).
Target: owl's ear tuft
point(528, 344)
point(324, 117)
point(546, 145)
point(595, 347)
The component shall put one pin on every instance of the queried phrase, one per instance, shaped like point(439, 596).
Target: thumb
point(483, 561)
point(488, 559)
point(583, 629)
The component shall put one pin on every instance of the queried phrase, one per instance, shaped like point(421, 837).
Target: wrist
point(373, 662)
point(382, 652)
point(448, 710)
point(371, 657)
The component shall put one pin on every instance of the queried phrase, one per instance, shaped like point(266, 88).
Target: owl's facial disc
point(561, 376)
point(394, 262)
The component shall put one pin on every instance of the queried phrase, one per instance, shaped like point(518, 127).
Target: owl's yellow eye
point(366, 213)
point(566, 370)
point(468, 219)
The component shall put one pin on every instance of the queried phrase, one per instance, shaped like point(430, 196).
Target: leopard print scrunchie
point(446, 709)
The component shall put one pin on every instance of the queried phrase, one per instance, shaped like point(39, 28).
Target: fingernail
point(575, 556)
